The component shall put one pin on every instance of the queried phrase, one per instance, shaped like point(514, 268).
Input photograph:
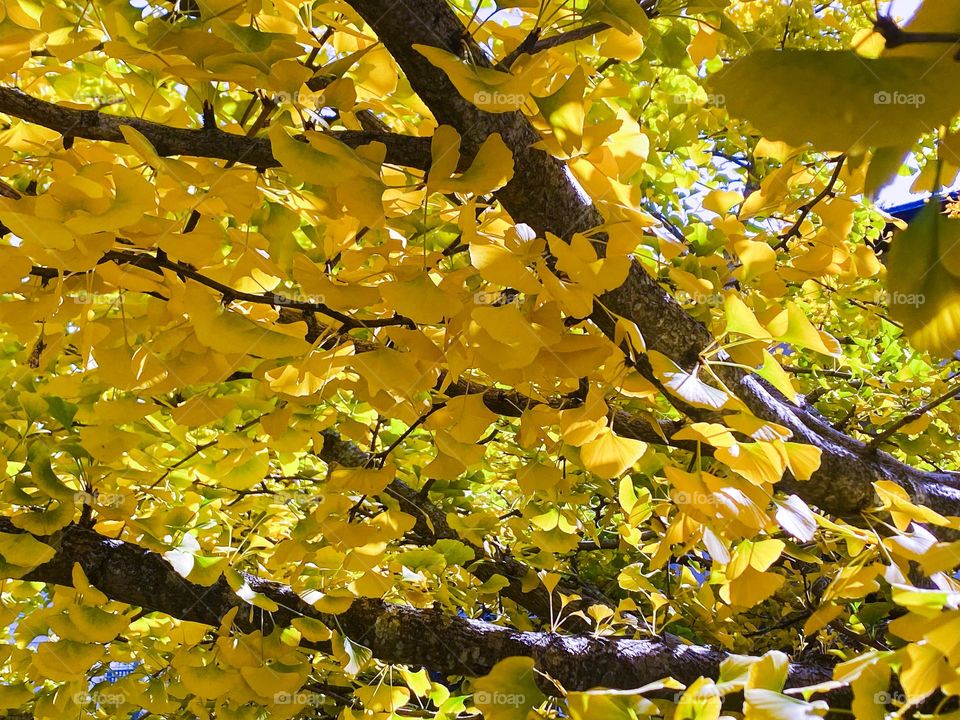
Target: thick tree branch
point(394, 633)
point(213, 143)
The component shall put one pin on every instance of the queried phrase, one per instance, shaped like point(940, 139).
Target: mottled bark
point(394, 633)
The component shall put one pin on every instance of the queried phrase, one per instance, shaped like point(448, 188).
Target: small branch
point(808, 207)
point(157, 264)
point(915, 415)
point(382, 457)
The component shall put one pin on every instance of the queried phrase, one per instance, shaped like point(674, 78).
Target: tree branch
point(213, 143)
point(398, 634)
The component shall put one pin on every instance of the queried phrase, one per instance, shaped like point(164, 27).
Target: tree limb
point(398, 634)
point(213, 143)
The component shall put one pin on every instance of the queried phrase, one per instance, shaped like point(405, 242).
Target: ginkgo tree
point(444, 359)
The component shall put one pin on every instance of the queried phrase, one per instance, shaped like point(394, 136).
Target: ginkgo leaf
point(46, 522)
point(47, 233)
point(420, 299)
point(700, 701)
point(491, 168)
point(13, 696)
point(66, 660)
point(361, 480)
point(720, 201)
point(322, 160)
point(85, 623)
point(760, 704)
point(23, 549)
point(230, 332)
point(488, 89)
point(793, 326)
point(208, 681)
point(624, 15)
point(740, 319)
point(608, 455)
point(612, 704)
point(564, 111)
point(687, 386)
point(924, 281)
point(710, 433)
point(759, 462)
point(796, 518)
point(268, 680)
point(383, 698)
point(509, 691)
point(860, 101)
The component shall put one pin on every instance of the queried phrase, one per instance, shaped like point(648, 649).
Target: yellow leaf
point(759, 462)
point(360, 480)
point(85, 623)
point(924, 281)
point(66, 660)
point(486, 88)
point(609, 455)
point(208, 682)
point(860, 102)
point(45, 522)
point(382, 697)
point(201, 410)
point(491, 169)
point(267, 680)
point(24, 550)
point(924, 668)
point(230, 332)
point(792, 326)
point(14, 695)
point(564, 111)
point(509, 691)
point(720, 201)
point(740, 319)
point(711, 433)
point(420, 299)
point(687, 386)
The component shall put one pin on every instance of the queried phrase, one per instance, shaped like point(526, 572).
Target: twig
point(915, 415)
point(808, 207)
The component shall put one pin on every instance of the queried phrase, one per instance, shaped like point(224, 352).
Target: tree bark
point(395, 633)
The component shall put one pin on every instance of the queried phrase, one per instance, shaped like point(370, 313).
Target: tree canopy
point(445, 359)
